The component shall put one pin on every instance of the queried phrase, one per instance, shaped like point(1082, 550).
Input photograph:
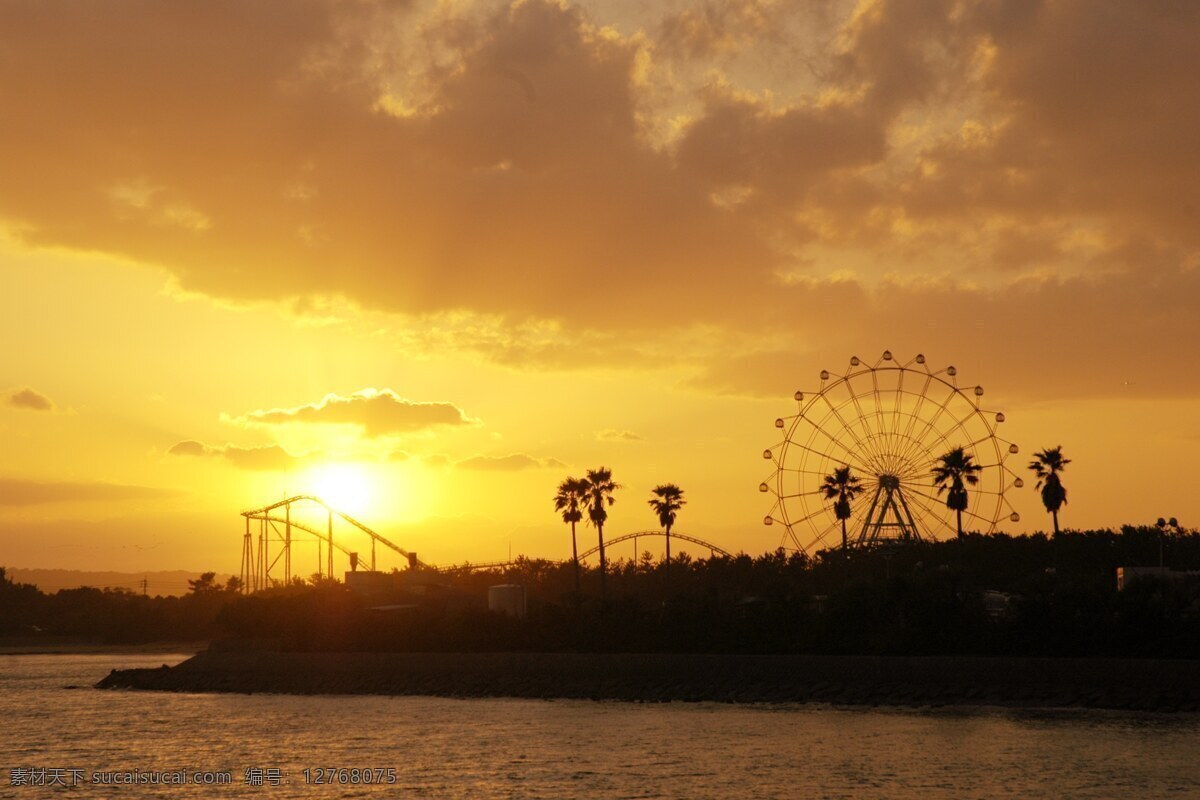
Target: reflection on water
point(533, 748)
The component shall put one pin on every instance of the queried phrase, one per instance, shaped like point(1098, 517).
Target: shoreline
point(33, 647)
point(1102, 683)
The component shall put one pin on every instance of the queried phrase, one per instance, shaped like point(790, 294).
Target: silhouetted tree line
point(1024, 595)
point(113, 616)
point(1027, 595)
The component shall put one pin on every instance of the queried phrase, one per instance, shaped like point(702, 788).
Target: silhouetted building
point(507, 598)
point(1127, 574)
point(370, 584)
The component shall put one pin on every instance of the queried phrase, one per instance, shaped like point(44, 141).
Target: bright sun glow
point(346, 487)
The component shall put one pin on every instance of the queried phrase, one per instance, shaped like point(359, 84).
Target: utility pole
point(1163, 525)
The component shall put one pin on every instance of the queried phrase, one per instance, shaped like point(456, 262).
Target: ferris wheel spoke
point(986, 525)
point(916, 449)
point(941, 445)
point(959, 424)
point(891, 445)
point(896, 406)
point(841, 420)
point(979, 441)
point(846, 457)
point(874, 438)
point(930, 512)
point(822, 429)
point(929, 424)
point(789, 534)
point(802, 471)
point(811, 515)
point(816, 473)
point(989, 523)
point(972, 447)
point(918, 429)
point(823, 424)
point(933, 510)
point(882, 455)
point(823, 534)
point(905, 448)
point(923, 500)
point(876, 395)
point(800, 494)
point(849, 456)
point(807, 446)
point(885, 440)
point(919, 466)
point(921, 435)
point(930, 449)
point(854, 398)
point(933, 498)
point(916, 412)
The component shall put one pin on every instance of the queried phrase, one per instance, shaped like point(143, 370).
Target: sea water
point(149, 744)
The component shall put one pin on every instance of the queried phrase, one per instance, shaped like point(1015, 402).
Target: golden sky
point(432, 257)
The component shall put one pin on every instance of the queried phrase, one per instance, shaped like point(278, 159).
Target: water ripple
point(477, 748)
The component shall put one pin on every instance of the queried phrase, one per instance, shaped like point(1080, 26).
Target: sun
point(346, 487)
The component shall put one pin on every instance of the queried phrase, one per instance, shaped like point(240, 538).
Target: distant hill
point(166, 582)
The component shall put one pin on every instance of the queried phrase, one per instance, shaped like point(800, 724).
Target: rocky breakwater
point(1151, 685)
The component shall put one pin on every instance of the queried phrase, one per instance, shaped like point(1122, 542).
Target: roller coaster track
point(256, 558)
point(261, 513)
point(275, 528)
point(301, 526)
point(714, 549)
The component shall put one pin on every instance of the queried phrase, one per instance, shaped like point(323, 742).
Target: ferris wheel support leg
point(914, 532)
point(867, 521)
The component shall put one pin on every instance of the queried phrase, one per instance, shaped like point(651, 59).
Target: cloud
point(1017, 340)
point(766, 170)
point(194, 448)
point(718, 27)
point(19, 492)
point(510, 463)
point(521, 155)
point(615, 435)
point(771, 158)
point(376, 412)
point(271, 458)
point(1090, 114)
point(267, 458)
point(29, 400)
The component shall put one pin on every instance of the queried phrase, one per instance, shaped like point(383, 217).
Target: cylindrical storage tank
point(507, 598)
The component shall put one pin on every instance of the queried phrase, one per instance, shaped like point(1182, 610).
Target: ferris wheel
point(889, 424)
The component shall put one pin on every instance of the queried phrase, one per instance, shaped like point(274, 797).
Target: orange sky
point(435, 256)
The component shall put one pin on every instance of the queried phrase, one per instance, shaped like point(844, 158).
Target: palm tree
point(666, 502)
point(572, 493)
point(956, 470)
point(842, 488)
point(598, 488)
point(1046, 465)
